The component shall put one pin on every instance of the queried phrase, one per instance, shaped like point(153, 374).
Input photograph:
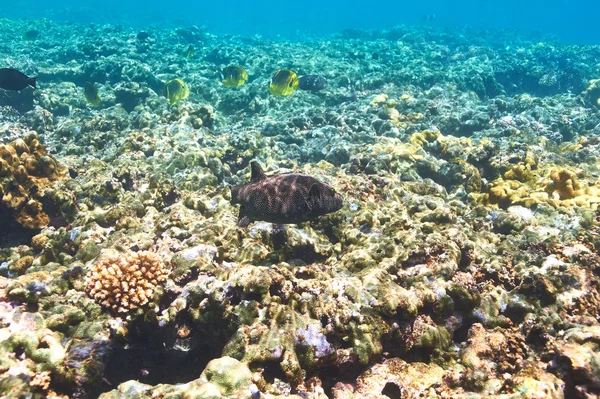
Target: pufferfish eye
point(332, 191)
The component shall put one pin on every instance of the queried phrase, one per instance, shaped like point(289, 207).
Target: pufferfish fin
point(258, 173)
point(243, 219)
point(314, 193)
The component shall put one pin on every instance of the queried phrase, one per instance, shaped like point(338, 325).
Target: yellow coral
point(526, 185)
point(41, 380)
point(426, 136)
point(397, 149)
point(38, 242)
point(23, 264)
point(506, 192)
point(407, 98)
point(380, 98)
point(390, 112)
point(524, 171)
point(565, 183)
point(127, 281)
point(25, 171)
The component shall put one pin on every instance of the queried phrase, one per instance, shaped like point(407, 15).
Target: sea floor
point(463, 264)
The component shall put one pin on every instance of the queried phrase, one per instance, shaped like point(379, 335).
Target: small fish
point(143, 36)
point(312, 82)
point(11, 79)
point(283, 83)
point(189, 53)
point(427, 18)
point(284, 198)
point(31, 34)
point(234, 76)
point(91, 93)
point(176, 90)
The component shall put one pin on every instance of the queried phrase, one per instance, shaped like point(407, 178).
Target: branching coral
point(125, 282)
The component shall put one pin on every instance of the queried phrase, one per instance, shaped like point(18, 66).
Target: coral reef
point(463, 263)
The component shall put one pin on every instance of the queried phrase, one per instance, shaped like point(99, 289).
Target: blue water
point(571, 21)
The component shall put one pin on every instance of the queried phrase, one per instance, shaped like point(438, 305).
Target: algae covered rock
point(222, 378)
point(395, 376)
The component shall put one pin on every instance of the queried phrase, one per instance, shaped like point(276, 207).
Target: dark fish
point(312, 82)
point(11, 79)
point(31, 34)
point(142, 36)
point(427, 18)
point(284, 198)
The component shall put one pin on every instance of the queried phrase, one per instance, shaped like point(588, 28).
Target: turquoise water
point(573, 21)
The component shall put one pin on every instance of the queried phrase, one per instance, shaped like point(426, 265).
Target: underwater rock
point(489, 354)
point(224, 377)
point(578, 357)
point(131, 94)
point(395, 376)
point(538, 383)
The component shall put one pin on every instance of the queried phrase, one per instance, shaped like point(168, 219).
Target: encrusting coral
point(127, 281)
point(547, 184)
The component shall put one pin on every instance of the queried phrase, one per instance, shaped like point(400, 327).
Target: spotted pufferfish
point(284, 198)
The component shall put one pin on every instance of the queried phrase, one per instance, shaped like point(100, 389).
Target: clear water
point(572, 21)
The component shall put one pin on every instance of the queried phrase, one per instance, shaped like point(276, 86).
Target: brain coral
point(125, 282)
